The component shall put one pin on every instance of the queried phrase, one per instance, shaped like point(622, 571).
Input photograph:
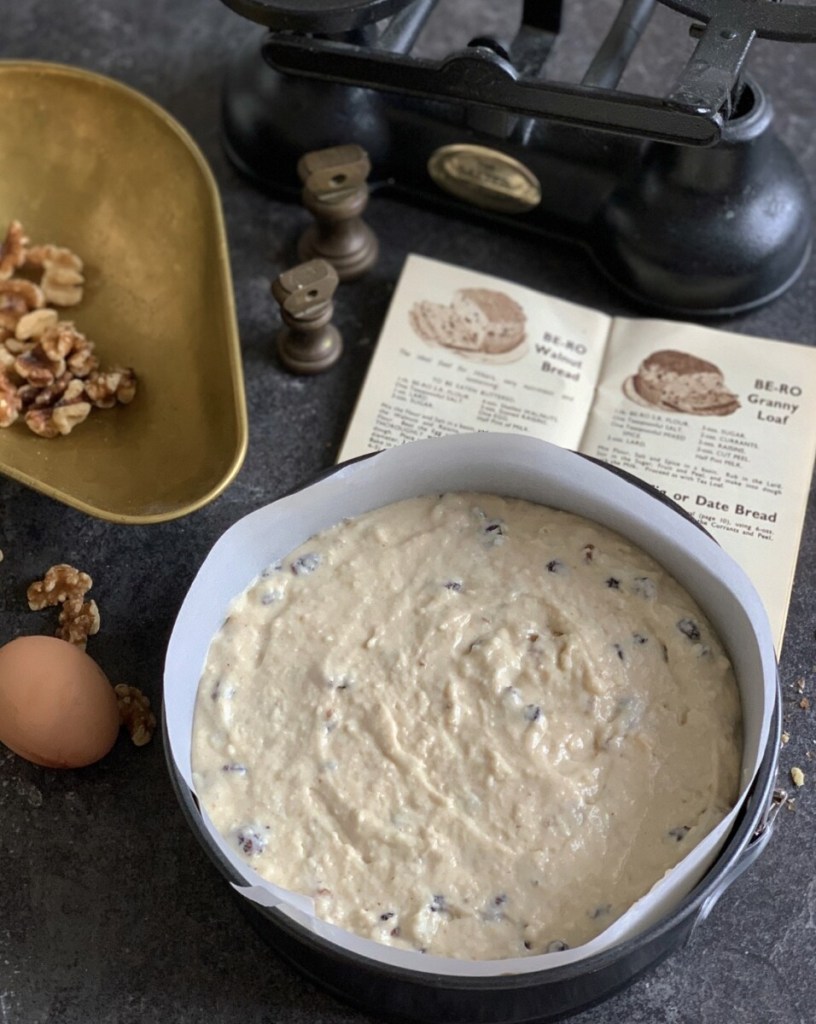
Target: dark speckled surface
point(109, 911)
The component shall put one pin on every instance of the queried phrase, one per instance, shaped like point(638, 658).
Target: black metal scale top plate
point(338, 71)
point(770, 19)
point(322, 16)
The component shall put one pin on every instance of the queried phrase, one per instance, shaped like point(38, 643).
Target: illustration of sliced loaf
point(683, 382)
point(477, 320)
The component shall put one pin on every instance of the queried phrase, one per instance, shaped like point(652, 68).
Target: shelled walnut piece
point(49, 372)
point(66, 586)
point(135, 714)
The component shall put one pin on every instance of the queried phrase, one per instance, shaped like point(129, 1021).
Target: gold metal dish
point(91, 164)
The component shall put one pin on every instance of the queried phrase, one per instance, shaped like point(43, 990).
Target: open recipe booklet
point(723, 423)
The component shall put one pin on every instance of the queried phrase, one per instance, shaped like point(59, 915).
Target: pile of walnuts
point(49, 374)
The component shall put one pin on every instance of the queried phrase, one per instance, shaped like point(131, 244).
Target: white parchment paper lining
point(510, 465)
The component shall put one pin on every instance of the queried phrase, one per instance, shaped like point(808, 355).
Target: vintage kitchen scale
point(688, 201)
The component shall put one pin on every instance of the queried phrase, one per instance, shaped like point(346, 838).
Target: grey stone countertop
point(110, 912)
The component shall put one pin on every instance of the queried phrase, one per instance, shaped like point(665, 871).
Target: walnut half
point(10, 403)
point(104, 390)
point(61, 583)
point(67, 412)
point(13, 250)
point(135, 713)
point(78, 620)
point(64, 585)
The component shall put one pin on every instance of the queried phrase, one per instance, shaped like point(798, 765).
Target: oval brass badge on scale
point(485, 177)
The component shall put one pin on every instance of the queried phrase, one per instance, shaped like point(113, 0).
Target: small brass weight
point(308, 342)
point(335, 192)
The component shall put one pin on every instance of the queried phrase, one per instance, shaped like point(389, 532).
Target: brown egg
point(57, 707)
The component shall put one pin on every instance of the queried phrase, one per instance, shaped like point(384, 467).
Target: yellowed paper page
point(725, 425)
point(461, 351)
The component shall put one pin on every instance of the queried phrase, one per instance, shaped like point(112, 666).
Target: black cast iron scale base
point(689, 203)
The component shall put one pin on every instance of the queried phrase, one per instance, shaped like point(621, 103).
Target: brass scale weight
point(689, 201)
point(337, 246)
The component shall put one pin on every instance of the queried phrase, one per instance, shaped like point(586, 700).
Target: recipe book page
point(722, 423)
point(433, 373)
point(733, 442)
